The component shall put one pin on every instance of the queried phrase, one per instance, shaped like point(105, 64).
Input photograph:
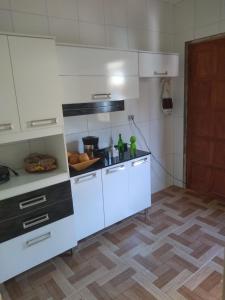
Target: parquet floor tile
point(176, 253)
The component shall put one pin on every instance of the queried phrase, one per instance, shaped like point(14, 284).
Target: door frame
point(186, 66)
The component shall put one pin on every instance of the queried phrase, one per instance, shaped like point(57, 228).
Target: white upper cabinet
point(38, 91)
point(158, 65)
point(9, 117)
point(90, 61)
point(90, 74)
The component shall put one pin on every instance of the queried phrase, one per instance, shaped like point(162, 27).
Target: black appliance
point(90, 145)
point(5, 173)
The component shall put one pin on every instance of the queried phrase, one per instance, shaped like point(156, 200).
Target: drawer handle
point(6, 126)
point(44, 122)
point(35, 221)
point(115, 169)
point(32, 202)
point(139, 162)
point(101, 96)
point(160, 73)
point(38, 240)
point(85, 177)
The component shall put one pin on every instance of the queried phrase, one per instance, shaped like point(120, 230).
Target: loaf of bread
point(73, 158)
point(83, 157)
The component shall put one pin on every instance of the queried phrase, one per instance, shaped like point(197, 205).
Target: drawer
point(33, 248)
point(26, 203)
point(25, 223)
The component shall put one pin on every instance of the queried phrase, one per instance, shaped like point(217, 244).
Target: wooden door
point(206, 117)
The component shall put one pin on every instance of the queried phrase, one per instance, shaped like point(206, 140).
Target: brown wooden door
point(206, 117)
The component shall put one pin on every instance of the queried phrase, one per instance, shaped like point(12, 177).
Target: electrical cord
point(153, 156)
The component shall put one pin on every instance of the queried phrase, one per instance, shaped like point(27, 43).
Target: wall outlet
point(130, 117)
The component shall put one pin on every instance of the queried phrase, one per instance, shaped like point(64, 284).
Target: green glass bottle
point(120, 145)
point(133, 146)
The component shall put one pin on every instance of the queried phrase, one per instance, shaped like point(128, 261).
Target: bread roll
point(83, 157)
point(73, 158)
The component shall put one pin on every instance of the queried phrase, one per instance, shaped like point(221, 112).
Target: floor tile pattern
point(175, 252)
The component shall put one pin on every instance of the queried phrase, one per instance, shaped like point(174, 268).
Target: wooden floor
point(177, 254)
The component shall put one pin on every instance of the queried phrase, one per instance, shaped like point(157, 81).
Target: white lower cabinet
point(88, 204)
point(115, 193)
point(139, 185)
point(26, 251)
point(107, 196)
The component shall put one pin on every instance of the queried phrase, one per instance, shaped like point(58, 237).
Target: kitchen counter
point(101, 164)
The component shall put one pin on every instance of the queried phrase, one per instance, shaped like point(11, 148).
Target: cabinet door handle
point(35, 221)
point(139, 162)
point(38, 240)
point(44, 122)
point(160, 73)
point(6, 127)
point(115, 169)
point(101, 96)
point(32, 202)
point(85, 178)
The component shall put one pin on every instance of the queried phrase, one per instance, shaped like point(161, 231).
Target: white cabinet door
point(26, 251)
point(37, 85)
point(90, 61)
point(93, 88)
point(115, 193)
point(139, 184)
point(9, 117)
point(88, 204)
point(158, 65)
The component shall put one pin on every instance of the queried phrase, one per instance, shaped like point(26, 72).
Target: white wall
point(129, 24)
point(192, 19)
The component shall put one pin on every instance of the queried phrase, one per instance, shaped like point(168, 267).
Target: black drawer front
point(26, 203)
point(41, 217)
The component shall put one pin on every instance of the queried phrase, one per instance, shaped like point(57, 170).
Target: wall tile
point(76, 124)
point(4, 4)
point(159, 16)
point(30, 24)
point(30, 6)
point(91, 11)
point(92, 34)
point(98, 121)
point(104, 136)
point(139, 39)
point(74, 141)
point(65, 30)
point(137, 14)
point(116, 12)
point(116, 37)
point(178, 97)
point(184, 15)
point(62, 9)
point(5, 21)
point(207, 12)
point(178, 129)
point(207, 30)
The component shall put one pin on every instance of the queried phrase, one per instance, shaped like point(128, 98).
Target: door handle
point(115, 169)
point(85, 178)
point(32, 202)
point(139, 162)
point(43, 122)
point(101, 96)
point(6, 127)
point(38, 240)
point(35, 221)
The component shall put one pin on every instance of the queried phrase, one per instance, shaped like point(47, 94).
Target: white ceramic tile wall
point(192, 19)
point(134, 24)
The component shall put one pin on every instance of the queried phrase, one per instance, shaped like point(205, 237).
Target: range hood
point(79, 109)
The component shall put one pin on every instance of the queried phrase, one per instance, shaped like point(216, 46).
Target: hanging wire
point(152, 154)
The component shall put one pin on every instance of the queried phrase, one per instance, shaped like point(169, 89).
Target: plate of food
point(80, 161)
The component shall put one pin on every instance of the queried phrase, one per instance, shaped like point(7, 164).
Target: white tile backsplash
point(91, 11)
point(4, 4)
point(64, 30)
point(116, 12)
point(116, 37)
point(92, 34)
point(30, 24)
point(6, 21)
point(29, 6)
point(66, 9)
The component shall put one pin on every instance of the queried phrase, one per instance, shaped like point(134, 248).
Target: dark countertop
point(101, 164)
